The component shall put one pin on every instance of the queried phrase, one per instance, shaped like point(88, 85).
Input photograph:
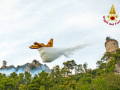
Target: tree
point(4, 75)
point(108, 38)
point(3, 82)
point(2, 87)
point(42, 88)
point(43, 74)
point(116, 56)
point(69, 65)
point(13, 75)
point(85, 66)
point(51, 75)
point(22, 87)
point(33, 86)
point(27, 78)
point(103, 66)
point(63, 71)
point(44, 78)
point(79, 68)
point(90, 71)
point(94, 71)
point(57, 71)
point(106, 56)
point(100, 83)
point(35, 77)
point(1, 76)
point(110, 65)
point(99, 63)
point(118, 51)
point(21, 78)
point(113, 81)
point(8, 83)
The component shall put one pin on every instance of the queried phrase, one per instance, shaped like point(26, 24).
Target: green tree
point(35, 77)
point(86, 79)
point(8, 83)
point(85, 66)
point(33, 86)
point(21, 78)
point(1, 76)
point(108, 38)
point(69, 65)
point(56, 71)
point(42, 88)
point(106, 56)
point(94, 72)
point(3, 82)
point(99, 63)
point(13, 75)
point(2, 87)
point(103, 66)
point(51, 75)
point(116, 56)
point(27, 78)
point(44, 79)
point(4, 75)
point(110, 65)
point(100, 83)
point(80, 68)
point(22, 87)
point(113, 81)
point(89, 71)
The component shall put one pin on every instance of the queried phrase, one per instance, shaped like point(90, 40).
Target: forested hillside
point(101, 78)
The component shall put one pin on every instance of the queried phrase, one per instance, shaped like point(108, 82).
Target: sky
point(68, 22)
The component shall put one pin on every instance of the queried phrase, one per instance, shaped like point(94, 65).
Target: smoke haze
point(7, 72)
point(49, 54)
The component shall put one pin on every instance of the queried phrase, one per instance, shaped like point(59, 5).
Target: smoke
point(49, 54)
point(7, 72)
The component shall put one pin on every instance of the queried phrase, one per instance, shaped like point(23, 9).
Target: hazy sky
point(68, 22)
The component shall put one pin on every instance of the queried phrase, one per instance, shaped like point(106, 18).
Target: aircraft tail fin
point(50, 42)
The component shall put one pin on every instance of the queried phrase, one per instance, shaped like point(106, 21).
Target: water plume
point(49, 54)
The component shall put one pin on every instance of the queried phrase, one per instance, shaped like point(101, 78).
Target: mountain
point(34, 68)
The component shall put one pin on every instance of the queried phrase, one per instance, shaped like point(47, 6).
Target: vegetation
point(101, 78)
point(108, 38)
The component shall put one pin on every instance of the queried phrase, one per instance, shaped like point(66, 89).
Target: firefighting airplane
point(39, 45)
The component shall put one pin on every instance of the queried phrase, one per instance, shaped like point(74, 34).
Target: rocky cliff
point(33, 67)
point(117, 68)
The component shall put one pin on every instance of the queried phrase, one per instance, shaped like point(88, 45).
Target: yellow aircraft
point(39, 45)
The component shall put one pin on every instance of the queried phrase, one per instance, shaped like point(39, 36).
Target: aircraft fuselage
point(39, 45)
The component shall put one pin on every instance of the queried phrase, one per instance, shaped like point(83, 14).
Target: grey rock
point(34, 66)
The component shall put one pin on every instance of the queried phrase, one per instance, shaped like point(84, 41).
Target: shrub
point(113, 81)
point(99, 83)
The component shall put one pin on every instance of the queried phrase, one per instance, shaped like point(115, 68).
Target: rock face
point(7, 67)
point(34, 66)
point(117, 68)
